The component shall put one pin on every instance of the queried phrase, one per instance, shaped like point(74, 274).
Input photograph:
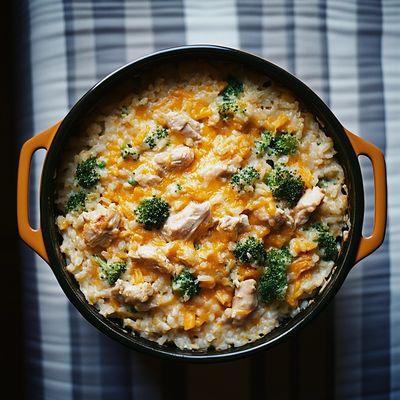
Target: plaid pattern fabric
point(349, 52)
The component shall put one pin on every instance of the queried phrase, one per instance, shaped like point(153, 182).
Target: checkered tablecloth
point(349, 53)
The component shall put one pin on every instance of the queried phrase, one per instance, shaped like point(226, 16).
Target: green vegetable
point(86, 173)
point(262, 146)
point(152, 213)
point(245, 179)
point(250, 251)
point(124, 111)
point(282, 143)
point(185, 285)
point(285, 185)
point(178, 188)
point(327, 246)
point(273, 281)
point(229, 105)
point(128, 152)
point(233, 88)
point(324, 182)
point(101, 164)
point(132, 181)
point(155, 137)
point(110, 271)
point(76, 202)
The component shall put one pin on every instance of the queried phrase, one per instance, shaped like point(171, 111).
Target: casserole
point(46, 242)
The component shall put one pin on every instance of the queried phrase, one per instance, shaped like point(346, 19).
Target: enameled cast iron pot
point(45, 240)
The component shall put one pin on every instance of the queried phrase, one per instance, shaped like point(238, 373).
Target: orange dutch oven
point(45, 240)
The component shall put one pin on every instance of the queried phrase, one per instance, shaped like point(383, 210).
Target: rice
point(206, 142)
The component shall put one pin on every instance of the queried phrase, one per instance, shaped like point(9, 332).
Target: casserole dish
point(45, 240)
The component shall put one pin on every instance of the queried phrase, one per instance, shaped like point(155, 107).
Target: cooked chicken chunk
point(101, 227)
point(307, 204)
point(245, 299)
point(184, 224)
point(206, 281)
point(274, 221)
point(146, 180)
point(230, 224)
point(183, 123)
point(221, 169)
point(132, 294)
point(175, 157)
point(154, 257)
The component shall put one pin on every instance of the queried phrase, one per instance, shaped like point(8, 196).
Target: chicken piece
point(101, 227)
point(221, 169)
point(175, 157)
point(184, 224)
point(146, 180)
point(206, 281)
point(153, 257)
point(132, 294)
point(307, 204)
point(238, 223)
point(274, 221)
point(245, 299)
point(181, 122)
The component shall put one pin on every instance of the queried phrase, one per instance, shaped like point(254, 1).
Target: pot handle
point(372, 242)
point(32, 237)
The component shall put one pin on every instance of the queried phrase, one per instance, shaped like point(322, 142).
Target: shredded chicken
point(153, 257)
point(181, 122)
point(175, 157)
point(307, 204)
point(238, 223)
point(274, 221)
point(100, 227)
point(245, 299)
point(184, 224)
point(132, 294)
point(146, 180)
point(206, 281)
point(221, 169)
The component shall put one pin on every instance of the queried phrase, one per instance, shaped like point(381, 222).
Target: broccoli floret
point(282, 143)
point(250, 251)
point(124, 111)
point(110, 271)
point(233, 88)
point(229, 105)
point(325, 182)
point(185, 285)
point(76, 202)
point(285, 185)
point(132, 181)
point(227, 109)
point(152, 213)
point(101, 164)
point(273, 281)
point(86, 173)
point(327, 246)
point(128, 152)
point(261, 146)
point(155, 137)
point(245, 179)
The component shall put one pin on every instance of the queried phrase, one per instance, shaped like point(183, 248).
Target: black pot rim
point(333, 128)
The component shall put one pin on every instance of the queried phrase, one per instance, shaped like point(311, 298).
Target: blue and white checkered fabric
point(347, 51)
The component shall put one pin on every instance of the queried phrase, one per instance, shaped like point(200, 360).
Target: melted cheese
point(221, 141)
